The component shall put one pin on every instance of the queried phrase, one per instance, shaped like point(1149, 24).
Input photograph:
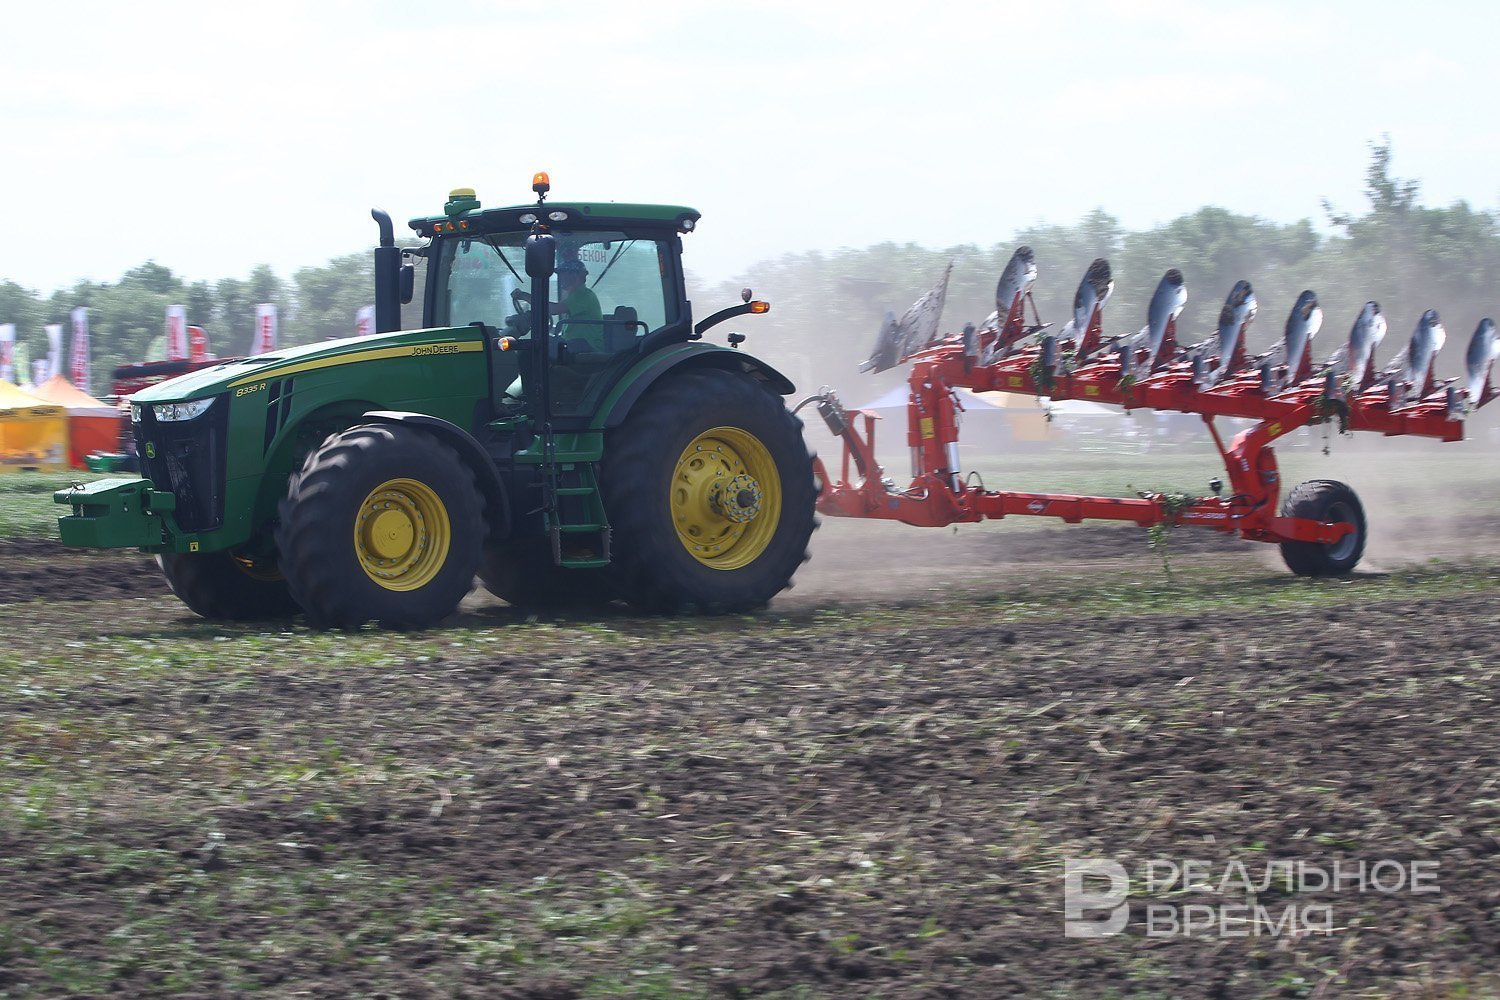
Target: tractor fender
point(497, 503)
point(685, 357)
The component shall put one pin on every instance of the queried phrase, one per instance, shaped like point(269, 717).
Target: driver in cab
point(578, 303)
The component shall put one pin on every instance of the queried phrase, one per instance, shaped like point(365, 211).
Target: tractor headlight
point(136, 412)
point(182, 411)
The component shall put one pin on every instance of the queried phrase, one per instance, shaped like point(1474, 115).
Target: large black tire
point(1324, 500)
point(221, 586)
point(710, 491)
point(521, 573)
point(383, 523)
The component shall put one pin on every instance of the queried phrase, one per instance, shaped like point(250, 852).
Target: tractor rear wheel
point(710, 491)
point(522, 574)
point(223, 586)
point(383, 523)
point(1324, 500)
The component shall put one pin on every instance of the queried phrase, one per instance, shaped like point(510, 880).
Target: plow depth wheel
point(1324, 500)
point(710, 490)
point(382, 523)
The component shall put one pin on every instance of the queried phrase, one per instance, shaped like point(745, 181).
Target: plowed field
point(867, 790)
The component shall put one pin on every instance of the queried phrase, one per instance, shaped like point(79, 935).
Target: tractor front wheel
point(710, 492)
point(1324, 500)
point(383, 523)
point(223, 586)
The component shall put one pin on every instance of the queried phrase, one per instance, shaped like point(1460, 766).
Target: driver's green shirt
point(584, 315)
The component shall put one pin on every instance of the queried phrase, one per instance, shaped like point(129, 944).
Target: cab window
point(610, 289)
point(476, 278)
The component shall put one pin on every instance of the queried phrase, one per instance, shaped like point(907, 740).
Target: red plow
point(1319, 525)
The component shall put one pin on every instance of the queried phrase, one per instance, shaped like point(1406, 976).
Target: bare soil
point(868, 790)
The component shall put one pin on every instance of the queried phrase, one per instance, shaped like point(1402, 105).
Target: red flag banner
point(265, 329)
point(79, 368)
point(197, 344)
point(177, 344)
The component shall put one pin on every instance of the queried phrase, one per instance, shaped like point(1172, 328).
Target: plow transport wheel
point(710, 490)
point(224, 587)
point(1324, 500)
point(383, 523)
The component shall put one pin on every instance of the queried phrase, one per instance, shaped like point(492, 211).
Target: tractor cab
point(614, 292)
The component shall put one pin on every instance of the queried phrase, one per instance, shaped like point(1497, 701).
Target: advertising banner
point(7, 352)
point(20, 359)
point(264, 341)
point(177, 344)
point(364, 321)
point(197, 344)
point(54, 351)
point(78, 369)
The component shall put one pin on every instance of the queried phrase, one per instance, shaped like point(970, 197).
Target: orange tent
point(1027, 420)
point(93, 425)
point(33, 433)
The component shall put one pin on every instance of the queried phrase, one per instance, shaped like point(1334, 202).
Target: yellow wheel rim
point(402, 534)
point(726, 498)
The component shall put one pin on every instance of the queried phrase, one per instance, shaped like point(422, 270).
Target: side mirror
point(744, 295)
point(541, 256)
point(408, 282)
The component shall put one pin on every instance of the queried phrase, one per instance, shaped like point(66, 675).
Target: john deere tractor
point(556, 427)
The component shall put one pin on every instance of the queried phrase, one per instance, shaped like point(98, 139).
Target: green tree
point(152, 277)
point(828, 305)
point(198, 300)
point(1410, 258)
point(234, 316)
point(328, 297)
point(21, 307)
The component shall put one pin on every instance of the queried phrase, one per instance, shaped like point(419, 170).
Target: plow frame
point(939, 494)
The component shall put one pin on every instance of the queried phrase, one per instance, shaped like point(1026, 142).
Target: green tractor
point(557, 427)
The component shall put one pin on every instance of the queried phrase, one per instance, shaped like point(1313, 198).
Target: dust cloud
point(1423, 500)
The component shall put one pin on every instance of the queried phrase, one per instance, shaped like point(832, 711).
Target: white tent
point(991, 419)
point(1082, 408)
point(896, 399)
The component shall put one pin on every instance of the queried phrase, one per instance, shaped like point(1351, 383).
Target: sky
point(211, 138)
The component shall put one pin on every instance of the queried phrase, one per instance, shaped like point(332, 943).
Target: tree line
point(127, 318)
point(827, 306)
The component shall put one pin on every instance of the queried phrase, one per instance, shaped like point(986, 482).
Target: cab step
point(577, 515)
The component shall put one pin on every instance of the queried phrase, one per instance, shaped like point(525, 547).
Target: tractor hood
point(231, 375)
